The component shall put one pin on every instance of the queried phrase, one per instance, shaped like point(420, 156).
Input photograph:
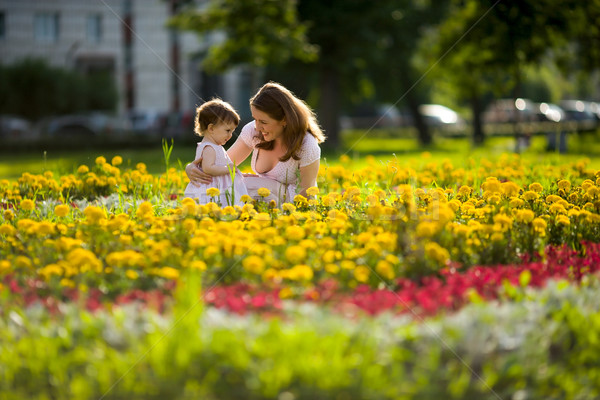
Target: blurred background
point(76, 74)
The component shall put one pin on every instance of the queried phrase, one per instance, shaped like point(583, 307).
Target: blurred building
point(154, 67)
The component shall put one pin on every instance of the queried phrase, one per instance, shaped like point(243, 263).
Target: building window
point(94, 28)
point(46, 27)
point(2, 25)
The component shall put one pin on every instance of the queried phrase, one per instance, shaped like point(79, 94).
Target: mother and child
point(283, 138)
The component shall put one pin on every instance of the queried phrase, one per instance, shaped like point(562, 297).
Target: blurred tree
point(402, 25)
point(32, 89)
point(485, 45)
point(247, 32)
point(583, 18)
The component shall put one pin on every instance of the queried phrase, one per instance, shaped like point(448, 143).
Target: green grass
point(356, 144)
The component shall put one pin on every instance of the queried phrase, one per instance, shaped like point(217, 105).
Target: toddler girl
point(215, 121)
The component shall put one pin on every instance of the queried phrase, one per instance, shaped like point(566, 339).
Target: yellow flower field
point(119, 229)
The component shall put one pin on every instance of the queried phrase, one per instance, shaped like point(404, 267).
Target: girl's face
point(220, 133)
point(270, 128)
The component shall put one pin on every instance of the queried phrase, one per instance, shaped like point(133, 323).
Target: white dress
point(283, 179)
point(221, 182)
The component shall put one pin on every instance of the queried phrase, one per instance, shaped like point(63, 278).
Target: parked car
point(437, 115)
point(15, 128)
point(94, 124)
point(147, 122)
point(504, 111)
point(585, 114)
point(369, 116)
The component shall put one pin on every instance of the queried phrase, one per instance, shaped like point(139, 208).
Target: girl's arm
point(208, 163)
point(308, 176)
point(239, 151)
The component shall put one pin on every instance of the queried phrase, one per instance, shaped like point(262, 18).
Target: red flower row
point(426, 297)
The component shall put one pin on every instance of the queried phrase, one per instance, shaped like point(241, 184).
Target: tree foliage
point(255, 32)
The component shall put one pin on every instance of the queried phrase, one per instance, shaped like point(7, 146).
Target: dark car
point(504, 111)
point(581, 113)
point(97, 125)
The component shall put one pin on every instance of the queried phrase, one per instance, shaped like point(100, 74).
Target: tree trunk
point(476, 109)
point(423, 134)
point(329, 107)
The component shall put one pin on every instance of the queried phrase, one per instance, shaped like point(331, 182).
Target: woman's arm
point(239, 151)
point(308, 176)
point(208, 163)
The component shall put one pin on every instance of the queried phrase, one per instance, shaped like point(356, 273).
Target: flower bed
point(90, 250)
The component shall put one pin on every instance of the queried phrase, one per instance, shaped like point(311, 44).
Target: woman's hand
point(195, 174)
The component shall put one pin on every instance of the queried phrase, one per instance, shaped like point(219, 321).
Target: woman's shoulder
point(310, 151)
point(249, 134)
point(309, 141)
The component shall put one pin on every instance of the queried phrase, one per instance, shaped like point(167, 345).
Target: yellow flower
point(253, 264)
point(436, 252)
point(312, 191)
point(27, 205)
point(525, 216)
point(361, 273)
point(300, 199)
point(213, 192)
point(7, 230)
point(563, 220)
point(332, 268)
point(552, 198)
point(530, 195)
point(61, 210)
point(465, 191)
point(263, 192)
point(427, 229)
point(536, 187)
point(510, 188)
point(564, 184)
point(245, 199)
point(132, 274)
point(189, 206)
point(144, 209)
point(288, 207)
point(557, 208)
point(285, 293)
point(295, 232)
point(300, 272)
point(116, 160)
point(9, 215)
point(94, 214)
point(198, 264)
point(83, 169)
point(539, 225)
point(84, 260)
point(385, 269)
point(100, 161)
point(4, 266)
point(503, 221)
point(295, 254)
point(166, 272)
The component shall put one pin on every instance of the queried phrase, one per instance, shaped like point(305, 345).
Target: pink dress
point(221, 182)
point(283, 179)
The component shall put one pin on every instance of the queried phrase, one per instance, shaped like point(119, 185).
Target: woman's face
point(270, 128)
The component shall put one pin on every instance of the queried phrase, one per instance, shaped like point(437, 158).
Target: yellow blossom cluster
point(367, 226)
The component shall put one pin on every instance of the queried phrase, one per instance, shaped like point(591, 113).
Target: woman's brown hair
point(280, 103)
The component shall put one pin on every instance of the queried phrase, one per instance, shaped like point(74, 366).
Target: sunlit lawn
point(357, 145)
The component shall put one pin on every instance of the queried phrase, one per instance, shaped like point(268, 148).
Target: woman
point(284, 141)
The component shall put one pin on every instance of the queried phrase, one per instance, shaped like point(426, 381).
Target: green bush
point(33, 89)
point(539, 345)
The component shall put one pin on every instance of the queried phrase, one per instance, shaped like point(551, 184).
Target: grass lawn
point(357, 145)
